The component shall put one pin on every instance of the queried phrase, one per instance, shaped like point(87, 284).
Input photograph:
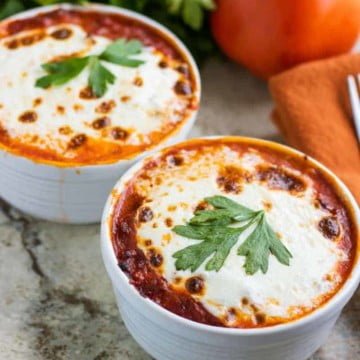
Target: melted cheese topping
point(62, 123)
point(175, 188)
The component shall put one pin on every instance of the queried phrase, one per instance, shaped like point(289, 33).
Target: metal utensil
point(353, 82)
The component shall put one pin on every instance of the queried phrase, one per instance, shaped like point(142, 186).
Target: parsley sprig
point(119, 52)
point(219, 229)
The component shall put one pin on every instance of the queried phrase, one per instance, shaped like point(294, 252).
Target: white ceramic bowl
point(75, 194)
point(167, 336)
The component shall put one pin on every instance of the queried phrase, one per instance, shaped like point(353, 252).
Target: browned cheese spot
point(260, 318)
point(37, 102)
point(101, 123)
point(148, 242)
point(12, 44)
point(163, 64)
point(267, 205)
point(230, 178)
point(158, 181)
point(175, 160)
point(119, 134)
point(24, 41)
point(203, 205)
point(87, 94)
point(329, 227)
point(65, 130)
point(195, 285)
point(182, 88)
point(61, 34)
point(145, 214)
point(245, 301)
point(155, 258)
point(31, 39)
point(168, 222)
point(77, 141)
point(231, 315)
point(77, 107)
point(280, 179)
point(183, 69)
point(138, 81)
point(171, 208)
point(125, 98)
point(328, 277)
point(105, 107)
point(3, 131)
point(28, 117)
point(60, 109)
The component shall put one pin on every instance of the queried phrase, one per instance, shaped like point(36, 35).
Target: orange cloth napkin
point(312, 111)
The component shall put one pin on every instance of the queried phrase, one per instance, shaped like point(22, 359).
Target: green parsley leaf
point(225, 212)
point(61, 72)
point(120, 50)
point(100, 77)
point(258, 246)
point(218, 238)
point(217, 241)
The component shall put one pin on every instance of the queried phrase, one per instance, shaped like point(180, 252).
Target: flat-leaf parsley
point(119, 52)
point(217, 237)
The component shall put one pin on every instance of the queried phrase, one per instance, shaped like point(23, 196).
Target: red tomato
point(268, 36)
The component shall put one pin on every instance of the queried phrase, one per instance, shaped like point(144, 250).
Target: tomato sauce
point(97, 151)
point(134, 263)
point(109, 25)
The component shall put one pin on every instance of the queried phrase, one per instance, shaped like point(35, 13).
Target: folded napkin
point(312, 111)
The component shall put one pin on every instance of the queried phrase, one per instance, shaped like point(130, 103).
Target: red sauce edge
point(107, 24)
point(134, 264)
point(113, 26)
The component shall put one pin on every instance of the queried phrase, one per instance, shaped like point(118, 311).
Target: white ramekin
point(76, 194)
point(167, 336)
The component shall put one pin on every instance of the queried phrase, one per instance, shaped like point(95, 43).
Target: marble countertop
point(56, 301)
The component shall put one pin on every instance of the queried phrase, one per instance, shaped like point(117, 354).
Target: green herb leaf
point(120, 50)
point(192, 232)
point(218, 238)
point(100, 77)
point(217, 241)
point(61, 72)
point(258, 246)
point(225, 212)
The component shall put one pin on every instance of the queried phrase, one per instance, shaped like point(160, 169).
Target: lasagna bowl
point(86, 91)
point(231, 248)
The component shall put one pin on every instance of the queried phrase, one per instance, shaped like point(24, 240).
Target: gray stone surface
point(56, 301)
